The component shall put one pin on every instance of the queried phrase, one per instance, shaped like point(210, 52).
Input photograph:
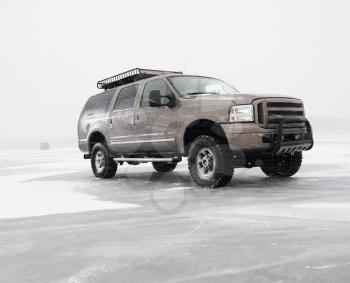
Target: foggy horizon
point(53, 55)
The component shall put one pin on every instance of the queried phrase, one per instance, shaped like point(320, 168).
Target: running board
point(150, 159)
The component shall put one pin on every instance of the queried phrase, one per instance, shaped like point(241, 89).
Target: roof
point(130, 76)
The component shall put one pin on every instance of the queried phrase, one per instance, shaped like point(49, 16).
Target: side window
point(126, 98)
point(152, 88)
point(98, 104)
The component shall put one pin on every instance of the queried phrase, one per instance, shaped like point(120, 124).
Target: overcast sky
point(53, 52)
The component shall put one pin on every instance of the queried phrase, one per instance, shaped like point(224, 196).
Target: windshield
point(193, 85)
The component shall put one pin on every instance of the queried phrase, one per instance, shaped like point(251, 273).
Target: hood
point(238, 99)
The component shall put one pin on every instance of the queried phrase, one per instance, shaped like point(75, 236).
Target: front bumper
point(283, 146)
point(250, 137)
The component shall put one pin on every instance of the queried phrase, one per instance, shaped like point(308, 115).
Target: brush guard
point(281, 147)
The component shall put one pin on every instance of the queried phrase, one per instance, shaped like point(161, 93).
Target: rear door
point(122, 121)
point(155, 126)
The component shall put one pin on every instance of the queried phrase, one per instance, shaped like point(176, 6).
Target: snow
point(27, 190)
point(27, 195)
point(141, 226)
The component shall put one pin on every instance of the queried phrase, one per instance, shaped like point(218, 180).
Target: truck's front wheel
point(210, 162)
point(103, 166)
point(283, 166)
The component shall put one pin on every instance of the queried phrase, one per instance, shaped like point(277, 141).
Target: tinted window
point(98, 104)
point(126, 98)
point(155, 85)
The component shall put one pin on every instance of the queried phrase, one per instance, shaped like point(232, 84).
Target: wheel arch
point(202, 127)
point(95, 137)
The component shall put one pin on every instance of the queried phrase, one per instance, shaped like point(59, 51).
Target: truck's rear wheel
point(283, 166)
point(163, 166)
point(210, 162)
point(103, 166)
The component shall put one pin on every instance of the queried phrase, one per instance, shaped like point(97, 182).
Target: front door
point(155, 125)
point(122, 121)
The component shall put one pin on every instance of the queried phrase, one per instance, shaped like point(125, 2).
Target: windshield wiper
point(201, 92)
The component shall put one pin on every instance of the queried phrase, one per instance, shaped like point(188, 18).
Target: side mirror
point(168, 101)
point(157, 100)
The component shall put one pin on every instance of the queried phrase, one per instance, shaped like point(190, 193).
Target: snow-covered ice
point(60, 224)
point(22, 195)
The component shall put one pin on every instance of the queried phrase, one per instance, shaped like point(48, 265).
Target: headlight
point(241, 113)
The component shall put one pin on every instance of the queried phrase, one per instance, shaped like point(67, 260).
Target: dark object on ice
point(160, 117)
point(44, 146)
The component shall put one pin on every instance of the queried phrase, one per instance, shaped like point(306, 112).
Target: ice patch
point(327, 266)
point(177, 189)
point(324, 205)
point(23, 198)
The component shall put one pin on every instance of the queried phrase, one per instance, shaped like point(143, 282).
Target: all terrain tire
point(164, 167)
point(103, 166)
point(210, 162)
point(283, 166)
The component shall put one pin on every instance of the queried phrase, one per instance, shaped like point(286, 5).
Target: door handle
point(137, 119)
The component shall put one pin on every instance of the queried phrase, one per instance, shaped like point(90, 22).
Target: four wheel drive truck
point(160, 117)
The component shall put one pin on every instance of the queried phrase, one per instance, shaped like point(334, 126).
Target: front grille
point(271, 111)
point(286, 112)
point(285, 104)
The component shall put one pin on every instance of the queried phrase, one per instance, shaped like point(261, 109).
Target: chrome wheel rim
point(100, 161)
point(205, 163)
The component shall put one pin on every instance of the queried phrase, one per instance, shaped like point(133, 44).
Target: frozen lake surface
point(60, 224)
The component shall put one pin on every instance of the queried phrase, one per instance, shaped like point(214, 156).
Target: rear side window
point(98, 104)
point(126, 98)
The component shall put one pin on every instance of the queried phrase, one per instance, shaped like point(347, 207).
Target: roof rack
point(133, 75)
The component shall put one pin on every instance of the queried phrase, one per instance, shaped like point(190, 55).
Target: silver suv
point(160, 117)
